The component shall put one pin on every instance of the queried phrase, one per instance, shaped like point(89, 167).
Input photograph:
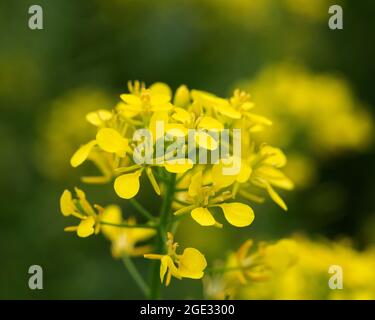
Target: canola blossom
point(319, 109)
point(300, 271)
point(198, 154)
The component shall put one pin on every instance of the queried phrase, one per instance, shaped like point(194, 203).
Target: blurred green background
point(281, 51)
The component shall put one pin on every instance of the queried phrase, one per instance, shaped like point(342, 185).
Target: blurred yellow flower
point(59, 139)
point(244, 268)
point(308, 277)
point(315, 116)
point(124, 240)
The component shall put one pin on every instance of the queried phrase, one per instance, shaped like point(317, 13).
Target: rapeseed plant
point(177, 142)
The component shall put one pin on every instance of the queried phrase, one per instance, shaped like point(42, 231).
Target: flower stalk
point(165, 213)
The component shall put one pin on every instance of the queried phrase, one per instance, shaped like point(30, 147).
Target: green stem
point(141, 209)
point(135, 274)
point(126, 225)
point(165, 214)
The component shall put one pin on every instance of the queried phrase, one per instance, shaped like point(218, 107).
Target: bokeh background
point(315, 83)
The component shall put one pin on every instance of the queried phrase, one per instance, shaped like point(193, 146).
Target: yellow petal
point(131, 99)
point(153, 181)
point(127, 111)
point(275, 197)
point(210, 123)
point(192, 264)
point(195, 184)
point(67, 205)
point(127, 185)
point(244, 173)
point(228, 111)
point(159, 99)
point(86, 227)
point(219, 179)
point(97, 118)
point(275, 177)
point(82, 153)
point(165, 261)
point(208, 99)
point(206, 141)
point(203, 216)
point(247, 105)
point(160, 102)
point(182, 96)
point(173, 270)
point(260, 120)
point(244, 249)
point(86, 206)
point(181, 115)
point(142, 234)
point(274, 156)
point(161, 89)
point(238, 214)
point(176, 130)
point(178, 166)
point(281, 255)
point(111, 140)
point(111, 214)
point(160, 118)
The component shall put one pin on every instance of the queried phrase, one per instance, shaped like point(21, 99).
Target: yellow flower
point(260, 169)
point(142, 101)
point(245, 268)
point(210, 101)
point(241, 103)
point(182, 97)
point(266, 173)
point(281, 255)
point(308, 277)
point(124, 240)
point(206, 192)
point(190, 264)
point(234, 109)
point(99, 117)
point(202, 199)
point(200, 123)
point(81, 209)
point(108, 139)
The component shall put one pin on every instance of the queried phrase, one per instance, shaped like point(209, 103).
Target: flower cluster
point(245, 267)
point(188, 163)
point(303, 279)
point(316, 115)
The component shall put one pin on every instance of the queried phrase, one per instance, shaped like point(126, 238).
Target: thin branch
point(141, 209)
point(126, 225)
point(135, 274)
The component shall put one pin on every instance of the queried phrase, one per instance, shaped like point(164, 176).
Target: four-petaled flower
point(190, 264)
point(83, 210)
point(203, 199)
